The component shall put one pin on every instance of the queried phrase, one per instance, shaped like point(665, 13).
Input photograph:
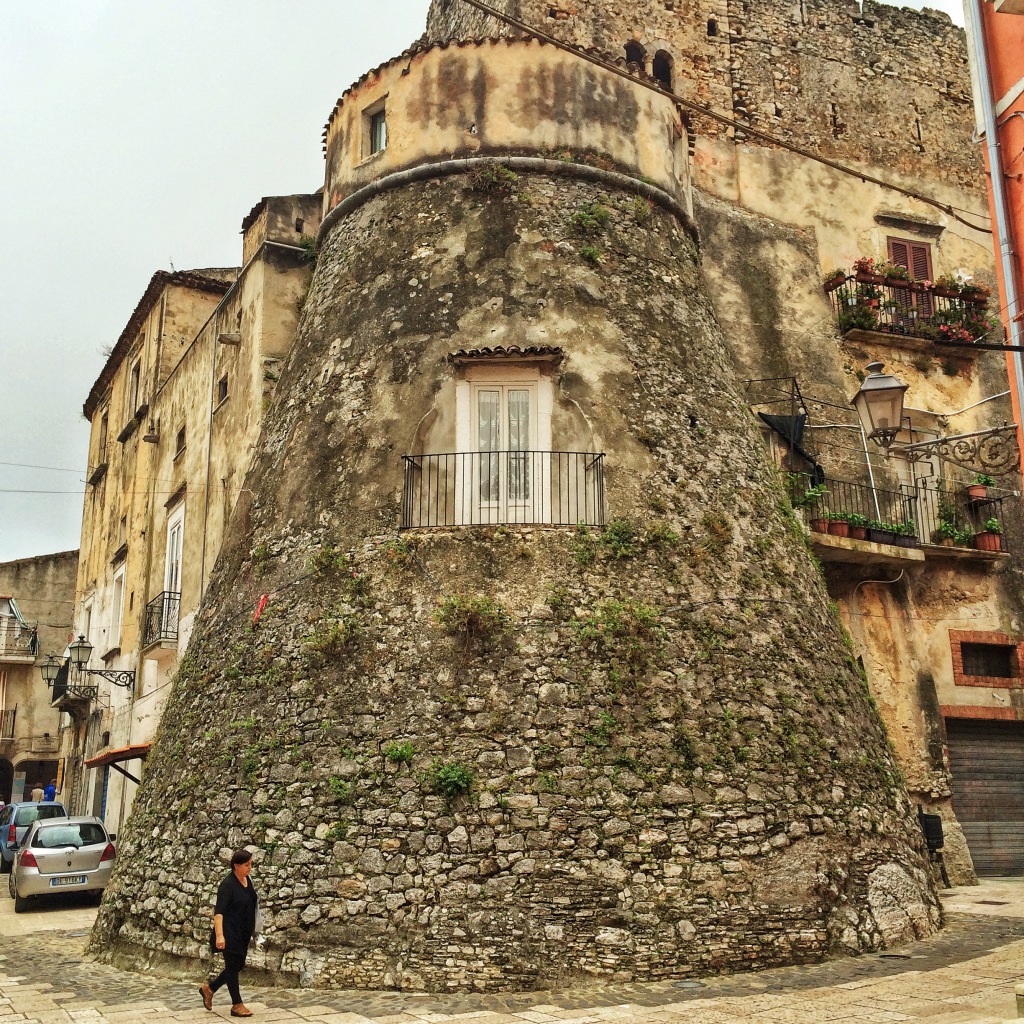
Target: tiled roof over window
point(549, 353)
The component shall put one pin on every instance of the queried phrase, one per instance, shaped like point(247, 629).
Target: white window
point(503, 425)
point(378, 132)
point(87, 620)
point(175, 535)
point(117, 608)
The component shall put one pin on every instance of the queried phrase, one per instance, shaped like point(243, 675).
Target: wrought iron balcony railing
point(161, 622)
point(944, 516)
point(490, 488)
point(16, 639)
point(7, 719)
point(871, 302)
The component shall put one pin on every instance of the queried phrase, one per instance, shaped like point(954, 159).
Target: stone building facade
point(174, 413)
point(36, 603)
point(590, 712)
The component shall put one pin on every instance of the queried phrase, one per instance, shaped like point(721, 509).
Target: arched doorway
point(662, 69)
point(635, 53)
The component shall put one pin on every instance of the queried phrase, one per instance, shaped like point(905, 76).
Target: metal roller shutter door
point(987, 761)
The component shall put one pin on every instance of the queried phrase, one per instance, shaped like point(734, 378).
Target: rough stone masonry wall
point(673, 764)
point(882, 85)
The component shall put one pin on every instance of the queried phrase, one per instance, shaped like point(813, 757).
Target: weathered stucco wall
point(874, 85)
point(673, 764)
point(496, 98)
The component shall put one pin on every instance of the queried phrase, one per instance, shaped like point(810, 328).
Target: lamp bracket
point(119, 677)
point(994, 451)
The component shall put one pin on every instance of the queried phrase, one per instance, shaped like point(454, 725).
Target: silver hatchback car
point(62, 855)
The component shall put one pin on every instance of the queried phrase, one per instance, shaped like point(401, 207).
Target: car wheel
point(10, 886)
point(20, 902)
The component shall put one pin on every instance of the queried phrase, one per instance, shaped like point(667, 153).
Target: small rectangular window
point(378, 132)
point(133, 388)
point(222, 389)
point(179, 442)
point(995, 660)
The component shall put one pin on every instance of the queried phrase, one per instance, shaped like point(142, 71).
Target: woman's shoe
point(240, 1010)
point(206, 994)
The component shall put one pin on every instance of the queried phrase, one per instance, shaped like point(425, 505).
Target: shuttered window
point(917, 258)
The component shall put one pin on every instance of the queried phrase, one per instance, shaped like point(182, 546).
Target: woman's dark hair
point(240, 857)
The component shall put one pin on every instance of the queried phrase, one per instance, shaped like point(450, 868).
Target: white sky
point(134, 135)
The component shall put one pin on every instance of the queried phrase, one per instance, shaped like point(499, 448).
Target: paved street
point(966, 975)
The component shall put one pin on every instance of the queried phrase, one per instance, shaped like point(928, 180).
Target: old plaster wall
point(674, 799)
point(872, 84)
point(488, 98)
point(43, 587)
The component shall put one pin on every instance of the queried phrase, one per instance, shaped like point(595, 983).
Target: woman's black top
point(236, 903)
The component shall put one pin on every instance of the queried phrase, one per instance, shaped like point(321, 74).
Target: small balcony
point(855, 523)
point(7, 720)
point(17, 641)
point(160, 626)
point(72, 697)
point(505, 487)
point(911, 310)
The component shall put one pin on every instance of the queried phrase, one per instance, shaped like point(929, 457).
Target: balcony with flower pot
point(882, 299)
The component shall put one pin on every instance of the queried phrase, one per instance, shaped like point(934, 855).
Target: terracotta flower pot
point(977, 492)
point(819, 525)
point(838, 528)
point(988, 541)
point(945, 293)
point(858, 533)
point(834, 282)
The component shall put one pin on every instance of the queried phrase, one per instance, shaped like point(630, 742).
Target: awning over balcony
point(116, 756)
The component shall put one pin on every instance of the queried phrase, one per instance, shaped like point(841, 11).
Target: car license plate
point(67, 880)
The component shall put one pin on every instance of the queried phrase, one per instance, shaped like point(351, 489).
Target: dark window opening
point(778, 110)
point(378, 132)
point(988, 660)
point(222, 389)
point(662, 68)
point(712, 27)
point(299, 224)
point(635, 53)
point(179, 442)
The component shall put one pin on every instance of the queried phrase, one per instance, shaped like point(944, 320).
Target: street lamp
point(879, 405)
point(49, 670)
point(81, 651)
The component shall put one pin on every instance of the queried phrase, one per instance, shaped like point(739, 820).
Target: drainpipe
point(986, 107)
point(215, 340)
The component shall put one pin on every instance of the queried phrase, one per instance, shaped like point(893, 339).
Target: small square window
point(378, 132)
point(992, 660)
point(222, 389)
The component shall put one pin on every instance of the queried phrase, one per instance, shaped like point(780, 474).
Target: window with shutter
point(916, 257)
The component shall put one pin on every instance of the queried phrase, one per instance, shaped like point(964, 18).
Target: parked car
point(62, 855)
point(15, 820)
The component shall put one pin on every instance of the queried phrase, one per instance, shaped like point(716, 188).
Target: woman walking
point(234, 921)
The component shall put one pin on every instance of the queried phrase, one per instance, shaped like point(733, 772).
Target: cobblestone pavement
point(964, 975)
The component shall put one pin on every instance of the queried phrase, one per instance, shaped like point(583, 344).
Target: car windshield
point(54, 836)
point(26, 815)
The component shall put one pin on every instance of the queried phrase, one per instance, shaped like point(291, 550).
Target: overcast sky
point(135, 136)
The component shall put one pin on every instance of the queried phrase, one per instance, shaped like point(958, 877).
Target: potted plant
point(945, 534)
point(834, 278)
point(975, 293)
point(947, 286)
point(858, 525)
point(868, 295)
point(857, 318)
point(865, 270)
point(989, 539)
point(895, 275)
point(977, 489)
point(881, 532)
point(838, 524)
point(906, 534)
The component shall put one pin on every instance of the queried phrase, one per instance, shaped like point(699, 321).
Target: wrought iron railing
point(874, 303)
point(7, 723)
point(161, 622)
point(944, 515)
point(16, 639)
point(490, 488)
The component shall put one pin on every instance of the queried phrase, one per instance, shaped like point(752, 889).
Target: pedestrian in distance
point(50, 793)
point(37, 793)
point(234, 924)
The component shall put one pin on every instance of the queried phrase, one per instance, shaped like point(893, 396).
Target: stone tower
point(590, 713)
